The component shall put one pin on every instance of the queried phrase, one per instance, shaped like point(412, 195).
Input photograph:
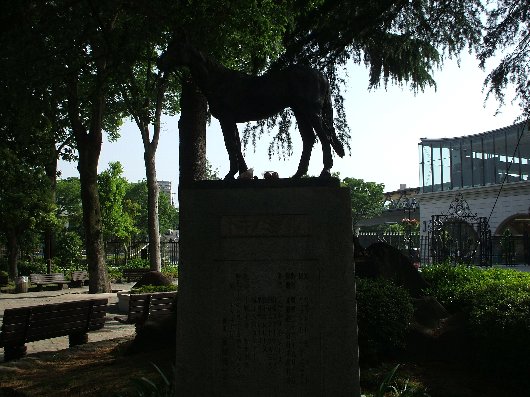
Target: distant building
point(476, 185)
point(473, 199)
point(165, 188)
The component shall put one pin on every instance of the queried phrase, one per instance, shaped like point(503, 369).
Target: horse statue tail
point(327, 122)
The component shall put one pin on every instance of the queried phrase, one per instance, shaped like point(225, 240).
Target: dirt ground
point(102, 367)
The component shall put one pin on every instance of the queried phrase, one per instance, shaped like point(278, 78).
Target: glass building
point(489, 158)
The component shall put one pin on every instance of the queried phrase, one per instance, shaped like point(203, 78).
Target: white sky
point(386, 126)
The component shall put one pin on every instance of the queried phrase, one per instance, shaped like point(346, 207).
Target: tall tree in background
point(117, 220)
point(143, 90)
point(168, 215)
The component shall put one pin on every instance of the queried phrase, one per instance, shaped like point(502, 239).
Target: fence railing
point(504, 251)
point(117, 252)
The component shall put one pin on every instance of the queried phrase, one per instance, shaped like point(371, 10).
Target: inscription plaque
point(266, 294)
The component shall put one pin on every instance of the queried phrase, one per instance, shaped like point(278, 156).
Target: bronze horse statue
point(235, 97)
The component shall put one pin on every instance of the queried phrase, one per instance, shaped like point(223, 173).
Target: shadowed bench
point(79, 278)
point(47, 279)
point(33, 323)
point(146, 306)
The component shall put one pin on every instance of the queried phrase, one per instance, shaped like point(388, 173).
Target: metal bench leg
point(78, 339)
point(14, 352)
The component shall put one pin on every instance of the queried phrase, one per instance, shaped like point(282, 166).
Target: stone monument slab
point(266, 290)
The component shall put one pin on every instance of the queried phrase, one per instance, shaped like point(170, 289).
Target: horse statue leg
point(316, 121)
point(233, 147)
point(308, 141)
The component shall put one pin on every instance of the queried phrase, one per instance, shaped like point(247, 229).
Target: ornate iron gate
point(459, 236)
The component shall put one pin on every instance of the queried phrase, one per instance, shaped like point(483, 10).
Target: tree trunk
point(89, 147)
point(94, 245)
point(49, 233)
point(192, 134)
point(12, 249)
point(152, 210)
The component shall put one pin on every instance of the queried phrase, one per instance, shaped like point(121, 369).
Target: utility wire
point(525, 125)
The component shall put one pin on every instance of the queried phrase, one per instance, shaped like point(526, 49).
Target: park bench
point(134, 274)
point(146, 306)
point(47, 279)
point(32, 323)
point(79, 277)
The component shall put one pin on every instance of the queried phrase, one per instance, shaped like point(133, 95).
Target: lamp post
point(409, 207)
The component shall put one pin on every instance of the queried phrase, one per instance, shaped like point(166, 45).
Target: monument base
point(266, 290)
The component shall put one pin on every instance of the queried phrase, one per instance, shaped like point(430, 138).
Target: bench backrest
point(27, 324)
point(144, 306)
point(79, 275)
point(47, 278)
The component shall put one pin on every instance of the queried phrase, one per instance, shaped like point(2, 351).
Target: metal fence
point(514, 250)
point(118, 253)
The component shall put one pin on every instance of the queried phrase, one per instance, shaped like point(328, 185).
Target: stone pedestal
point(266, 290)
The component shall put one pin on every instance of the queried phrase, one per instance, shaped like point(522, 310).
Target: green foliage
point(171, 271)
point(506, 34)
point(168, 215)
point(453, 286)
point(115, 273)
point(69, 249)
point(68, 200)
point(165, 387)
point(498, 305)
point(117, 221)
point(392, 387)
point(137, 263)
point(367, 198)
point(146, 289)
point(384, 312)
point(39, 266)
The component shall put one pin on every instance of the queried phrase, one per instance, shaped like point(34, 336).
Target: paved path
point(112, 329)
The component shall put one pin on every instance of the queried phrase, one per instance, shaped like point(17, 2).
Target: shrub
point(171, 271)
point(384, 311)
point(498, 304)
point(114, 273)
point(137, 263)
point(453, 286)
point(25, 268)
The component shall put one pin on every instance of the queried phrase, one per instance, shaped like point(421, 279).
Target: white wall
point(514, 198)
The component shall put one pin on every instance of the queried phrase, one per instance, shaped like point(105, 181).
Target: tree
point(367, 198)
point(69, 206)
point(137, 195)
point(400, 42)
point(243, 35)
point(65, 46)
point(112, 187)
point(140, 88)
point(508, 31)
point(22, 210)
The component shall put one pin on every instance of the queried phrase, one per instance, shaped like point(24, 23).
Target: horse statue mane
point(235, 97)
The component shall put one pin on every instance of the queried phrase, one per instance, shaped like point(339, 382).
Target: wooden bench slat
point(28, 324)
point(144, 306)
